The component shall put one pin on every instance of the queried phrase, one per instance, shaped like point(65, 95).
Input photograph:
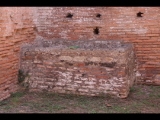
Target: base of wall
point(7, 93)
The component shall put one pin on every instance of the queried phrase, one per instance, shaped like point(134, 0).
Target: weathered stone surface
point(93, 68)
point(79, 58)
point(95, 59)
point(67, 58)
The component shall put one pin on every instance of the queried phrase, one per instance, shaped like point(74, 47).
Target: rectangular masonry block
point(82, 67)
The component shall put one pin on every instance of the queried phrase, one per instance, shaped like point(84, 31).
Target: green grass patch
point(142, 99)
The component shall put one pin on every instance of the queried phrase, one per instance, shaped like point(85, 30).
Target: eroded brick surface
point(92, 68)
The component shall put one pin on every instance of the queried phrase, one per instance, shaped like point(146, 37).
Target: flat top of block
point(81, 44)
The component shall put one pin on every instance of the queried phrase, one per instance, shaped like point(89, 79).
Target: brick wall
point(16, 27)
point(114, 23)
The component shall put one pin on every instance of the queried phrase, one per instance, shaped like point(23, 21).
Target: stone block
point(105, 66)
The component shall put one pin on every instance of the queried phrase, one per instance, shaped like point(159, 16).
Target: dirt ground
point(142, 99)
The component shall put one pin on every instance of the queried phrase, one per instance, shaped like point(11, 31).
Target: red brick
point(8, 44)
point(153, 34)
point(80, 64)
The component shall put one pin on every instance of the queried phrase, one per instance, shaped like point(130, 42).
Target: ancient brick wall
point(16, 27)
point(109, 23)
point(19, 24)
point(79, 67)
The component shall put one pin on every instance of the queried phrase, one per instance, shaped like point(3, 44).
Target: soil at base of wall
point(142, 99)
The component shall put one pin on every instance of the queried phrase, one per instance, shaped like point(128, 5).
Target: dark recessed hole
point(69, 15)
point(110, 65)
point(70, 64)
point(139, 14)
point(83, 74)
point(96, 31)
point(57, 55)
point(35, 28)
point(98, 15)
point(5, 89)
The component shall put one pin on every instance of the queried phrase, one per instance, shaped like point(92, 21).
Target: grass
point(142, 99)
